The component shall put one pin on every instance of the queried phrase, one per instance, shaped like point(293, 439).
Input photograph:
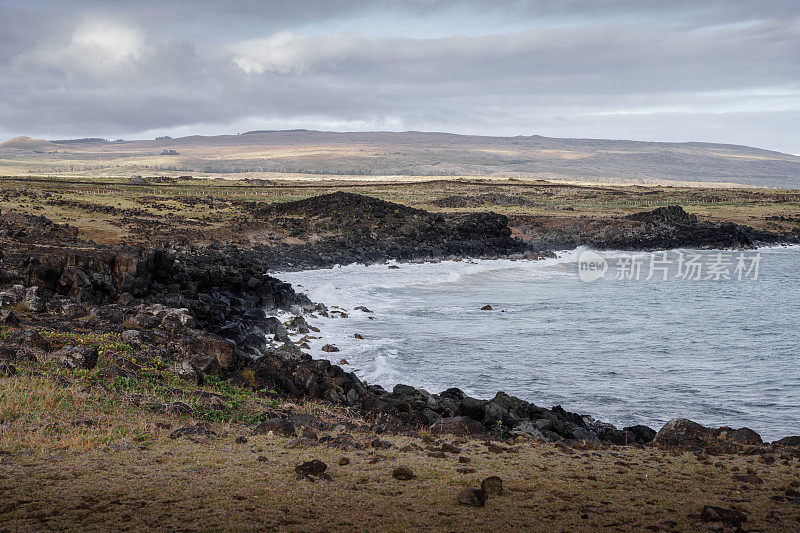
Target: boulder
point(133, 337)
point(403, 473)
point(214, 347)
point(641, 434)
point(8, 298)
point(473, 408)
point(492, 486)
point(741, 435)
point(177, 319)
point(30, 340)
point(683, 433)
point(299, 324)
point(311, 468)
point(457, 425)
point(472, 497)
point(8, 318)
point(731, 517)
point(76, 356)
point(789, 441)
point(195, 433)
point(187, 372)
point(73, 310)
point(34, 300)
point(507, 410)
point(527, 428)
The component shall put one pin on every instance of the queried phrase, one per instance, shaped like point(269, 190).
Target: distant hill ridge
point(259, 153)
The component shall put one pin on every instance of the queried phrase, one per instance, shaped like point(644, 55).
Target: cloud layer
point(726, 71)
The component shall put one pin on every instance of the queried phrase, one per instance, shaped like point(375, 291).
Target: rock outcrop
point(660, 229)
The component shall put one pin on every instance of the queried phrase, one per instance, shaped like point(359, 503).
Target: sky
point(718, 70)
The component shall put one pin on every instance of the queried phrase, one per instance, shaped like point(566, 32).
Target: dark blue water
point(629, 352)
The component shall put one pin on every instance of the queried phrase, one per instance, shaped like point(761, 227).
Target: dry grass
point(39, 416)
point(122, 471)
point(110, 210)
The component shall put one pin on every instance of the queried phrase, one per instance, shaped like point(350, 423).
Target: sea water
point(625, 349)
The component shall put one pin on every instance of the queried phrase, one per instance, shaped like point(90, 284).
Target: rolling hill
point(273, 154)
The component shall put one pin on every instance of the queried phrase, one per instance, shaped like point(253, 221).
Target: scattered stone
point(472, 497)
point(194, 433)
point(277, 426)
point(437, 455)
point(299, 323)
point(457, 425)
point(311, 468)
point(187, 372)
point(450, 448)
point(330, 348)
point(732, 517)
point(240, 440)
point(466, 470)
point(262, 459)
point(394, 267)
point(31, 339)
point(73, 310)
point(464, 460)
point(494, 448)
point(358, 336)
point(343, 362)
point(486, 308)
point(492, 486)
point(8, 318)
point(403, 473)
point(34, 300)
point(133, 337)
point(344, 461)
point(750, 479)
point(76, 356)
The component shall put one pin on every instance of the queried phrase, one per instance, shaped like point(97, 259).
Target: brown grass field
point(81, 452)
point(110, 210)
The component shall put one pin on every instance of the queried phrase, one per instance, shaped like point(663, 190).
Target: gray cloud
point(725, 71)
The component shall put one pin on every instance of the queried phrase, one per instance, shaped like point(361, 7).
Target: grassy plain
point(110, 210)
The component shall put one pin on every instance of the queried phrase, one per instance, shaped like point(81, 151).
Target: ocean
point(717, 343)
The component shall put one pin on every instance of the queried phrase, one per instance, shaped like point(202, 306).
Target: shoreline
point(179, 291)
point(343, 339)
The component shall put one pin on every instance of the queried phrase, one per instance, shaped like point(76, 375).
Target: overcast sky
point(716, 70)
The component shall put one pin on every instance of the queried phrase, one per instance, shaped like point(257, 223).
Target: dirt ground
point(75, 457)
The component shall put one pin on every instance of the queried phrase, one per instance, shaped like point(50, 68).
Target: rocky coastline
point(663, 228)
point(209, 308)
